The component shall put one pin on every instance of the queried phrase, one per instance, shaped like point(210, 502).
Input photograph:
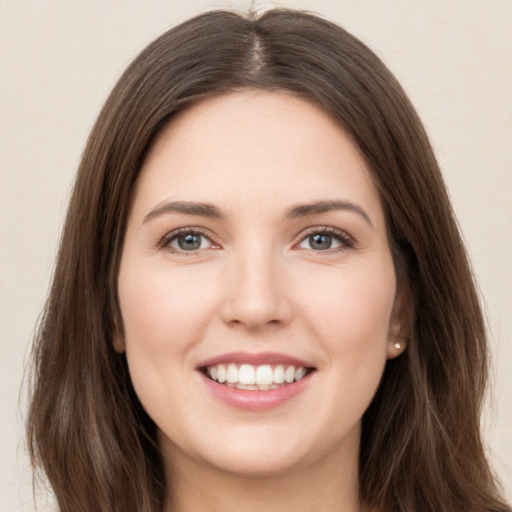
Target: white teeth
point(221, 373)
point(279, 374)
point(300, 373)
point(247, 375)
point(264, 374)
point(246, 386)
point(263, 377)
point(289, 374)
point(232, 374)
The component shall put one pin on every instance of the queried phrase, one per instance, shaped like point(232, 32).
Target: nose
point(257, 295)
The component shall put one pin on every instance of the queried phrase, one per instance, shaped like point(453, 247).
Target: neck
point(328, 485)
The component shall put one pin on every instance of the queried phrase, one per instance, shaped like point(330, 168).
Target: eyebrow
point(295, 212)
point(319, 207)
point(186, 207)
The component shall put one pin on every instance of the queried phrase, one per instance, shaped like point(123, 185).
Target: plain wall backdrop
point(60, 58)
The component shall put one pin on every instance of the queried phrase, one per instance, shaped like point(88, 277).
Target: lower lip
point(252, 400)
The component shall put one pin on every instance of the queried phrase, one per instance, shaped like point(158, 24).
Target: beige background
point(59, 59)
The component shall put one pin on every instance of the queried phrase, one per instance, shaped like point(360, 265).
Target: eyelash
point(346, 241)
point(173, 235)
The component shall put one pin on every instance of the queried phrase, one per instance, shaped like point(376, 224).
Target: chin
point(247, 454)
point(258, 463)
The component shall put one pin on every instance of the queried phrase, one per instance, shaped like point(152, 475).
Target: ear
point(117, 337)
point(399, 334)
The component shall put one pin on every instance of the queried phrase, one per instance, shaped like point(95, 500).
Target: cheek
point(161, 305)
point(165, 314)
point(350, 316)
point(354, 333)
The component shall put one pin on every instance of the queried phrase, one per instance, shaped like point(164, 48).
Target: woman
point(261, 296)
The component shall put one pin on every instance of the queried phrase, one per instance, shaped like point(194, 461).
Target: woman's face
point(256, 254)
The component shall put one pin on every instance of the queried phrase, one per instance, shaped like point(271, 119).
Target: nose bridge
point(257, 293)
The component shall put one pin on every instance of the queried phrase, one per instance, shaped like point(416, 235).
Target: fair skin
point(257, 276)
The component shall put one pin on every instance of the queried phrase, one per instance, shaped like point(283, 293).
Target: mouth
point(252, 377)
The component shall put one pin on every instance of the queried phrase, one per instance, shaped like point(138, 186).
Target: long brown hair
point(421, 448)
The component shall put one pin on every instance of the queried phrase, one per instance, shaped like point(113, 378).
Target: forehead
point(255, 149)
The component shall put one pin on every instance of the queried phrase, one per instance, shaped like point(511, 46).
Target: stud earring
point(397, 346)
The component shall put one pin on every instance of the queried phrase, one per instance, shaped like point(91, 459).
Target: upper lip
point(254, 359)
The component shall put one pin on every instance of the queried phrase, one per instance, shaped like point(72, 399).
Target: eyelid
point(195, 230)
point(347, 241)
point(342, 236)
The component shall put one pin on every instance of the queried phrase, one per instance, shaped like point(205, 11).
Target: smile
point(255, 382)
point(255, 378)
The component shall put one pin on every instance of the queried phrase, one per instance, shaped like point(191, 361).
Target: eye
point(325, 239)
point(319, 242)
point(187, 240)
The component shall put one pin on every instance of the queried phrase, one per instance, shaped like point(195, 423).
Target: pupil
point(189, 242)
point(321, 242)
